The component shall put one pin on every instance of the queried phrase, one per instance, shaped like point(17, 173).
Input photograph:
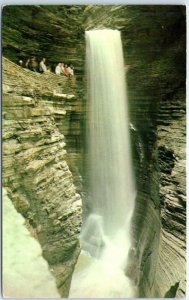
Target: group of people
point(63, 69)
point(41, 67)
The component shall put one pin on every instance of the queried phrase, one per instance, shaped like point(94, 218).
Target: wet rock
point(25, 272)
point(156, 91)
point(35, 172)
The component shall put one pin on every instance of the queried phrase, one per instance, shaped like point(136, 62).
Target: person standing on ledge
point(33, 64)
point(42, 66)
point(66, 71)
point(71, 70)
point(58, 69)
point(62, 68)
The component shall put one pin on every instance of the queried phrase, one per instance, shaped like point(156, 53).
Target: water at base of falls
point(94, 278)
point(105, 236)
point(99, 272)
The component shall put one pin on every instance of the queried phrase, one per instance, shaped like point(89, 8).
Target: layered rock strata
point(35, 172)
point(154, 49)
point(170, 279)
point(53, 31)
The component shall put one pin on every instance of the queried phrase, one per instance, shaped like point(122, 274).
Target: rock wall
point(53, 31)
point(170, 279)
point(35, 172)
point(154, 44)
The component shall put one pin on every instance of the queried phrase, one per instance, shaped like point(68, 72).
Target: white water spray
point(106, 233)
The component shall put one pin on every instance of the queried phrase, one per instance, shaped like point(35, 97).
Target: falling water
point(105, 236)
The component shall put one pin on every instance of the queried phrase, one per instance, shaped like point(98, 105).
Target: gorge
point(44, 114)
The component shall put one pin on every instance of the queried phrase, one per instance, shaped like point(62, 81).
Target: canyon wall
point(154, 48)
point(154, 44)
point(35, 173)
point(170, 278)
point(55, 32)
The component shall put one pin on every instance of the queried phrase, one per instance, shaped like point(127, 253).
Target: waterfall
point(105, 235)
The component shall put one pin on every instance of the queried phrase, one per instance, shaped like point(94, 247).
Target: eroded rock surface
point(170, 280)
point(56, 31)
point(35, 173)
point(154, 49)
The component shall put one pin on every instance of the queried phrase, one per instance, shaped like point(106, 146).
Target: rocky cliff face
point(170, 279)
point(35, 172)
point(154, 44)
point(154, 49)
point(52, 31)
